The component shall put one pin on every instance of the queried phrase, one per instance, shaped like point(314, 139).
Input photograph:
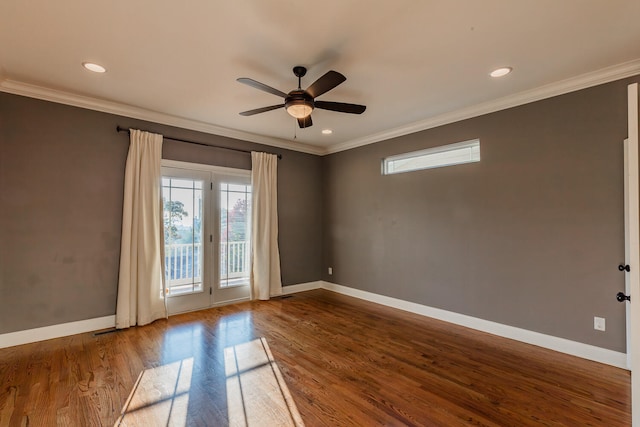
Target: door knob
point(621, 297)
point(624, 267)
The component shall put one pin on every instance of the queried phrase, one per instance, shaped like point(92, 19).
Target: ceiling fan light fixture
point(299, 104)
point(299, 109)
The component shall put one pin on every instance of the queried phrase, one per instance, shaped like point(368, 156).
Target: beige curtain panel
point(141, 280)
point(265, 270)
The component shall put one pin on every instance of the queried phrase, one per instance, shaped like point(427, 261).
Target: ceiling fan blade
point(341, 107)
point(305, 122)
point(261, 86)
point(261, 110)
point(325, 83)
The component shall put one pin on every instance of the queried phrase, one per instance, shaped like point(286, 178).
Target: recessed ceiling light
point(327, 131)
point(501, 72)
point(96, 68)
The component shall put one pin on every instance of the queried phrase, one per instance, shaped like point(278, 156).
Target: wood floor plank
point(343, 362)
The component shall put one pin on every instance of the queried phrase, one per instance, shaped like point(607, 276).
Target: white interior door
point(632, 251)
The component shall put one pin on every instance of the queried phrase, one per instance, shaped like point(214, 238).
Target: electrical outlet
point(330, 269)
point(599, 323)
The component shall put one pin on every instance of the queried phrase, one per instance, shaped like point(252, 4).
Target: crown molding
point(61, 97)
point(583, 81)
point(573, 84)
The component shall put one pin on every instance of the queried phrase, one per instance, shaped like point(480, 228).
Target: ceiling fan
point(300, 103)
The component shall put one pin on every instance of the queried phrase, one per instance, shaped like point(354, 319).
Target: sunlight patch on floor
point(160, 397)
point(256, 392)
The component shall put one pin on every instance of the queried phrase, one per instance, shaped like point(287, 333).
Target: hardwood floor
point(335, 360)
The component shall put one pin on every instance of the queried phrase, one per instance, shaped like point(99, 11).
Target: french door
point(207, 217)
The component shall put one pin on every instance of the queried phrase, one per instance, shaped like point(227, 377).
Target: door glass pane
point(235, 239)
point(183, 234)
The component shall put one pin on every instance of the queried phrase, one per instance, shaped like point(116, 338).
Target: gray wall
point(61, 189)
point(530, 237)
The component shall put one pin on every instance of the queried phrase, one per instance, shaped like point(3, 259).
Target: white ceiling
point(413, 63)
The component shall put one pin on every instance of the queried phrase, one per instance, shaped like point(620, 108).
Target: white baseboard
point(65, 329)
point(301, 287)
point(56, 331)
point(562, 345)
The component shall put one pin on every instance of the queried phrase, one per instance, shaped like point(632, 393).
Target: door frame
point(211, 237)
point(632, 250)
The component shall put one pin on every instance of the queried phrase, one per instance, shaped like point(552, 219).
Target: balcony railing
point(183, 263)
point(233, 260)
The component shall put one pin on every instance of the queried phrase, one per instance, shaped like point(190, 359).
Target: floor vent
point(108, 331)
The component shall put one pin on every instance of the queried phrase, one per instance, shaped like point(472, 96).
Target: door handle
point(621, 297)
point(624, 267)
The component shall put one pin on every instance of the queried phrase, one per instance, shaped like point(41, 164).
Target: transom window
point(445, 155)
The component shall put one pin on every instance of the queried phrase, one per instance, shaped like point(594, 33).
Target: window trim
point(431, 151)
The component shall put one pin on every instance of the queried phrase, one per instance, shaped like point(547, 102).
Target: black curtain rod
point(119, 129)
